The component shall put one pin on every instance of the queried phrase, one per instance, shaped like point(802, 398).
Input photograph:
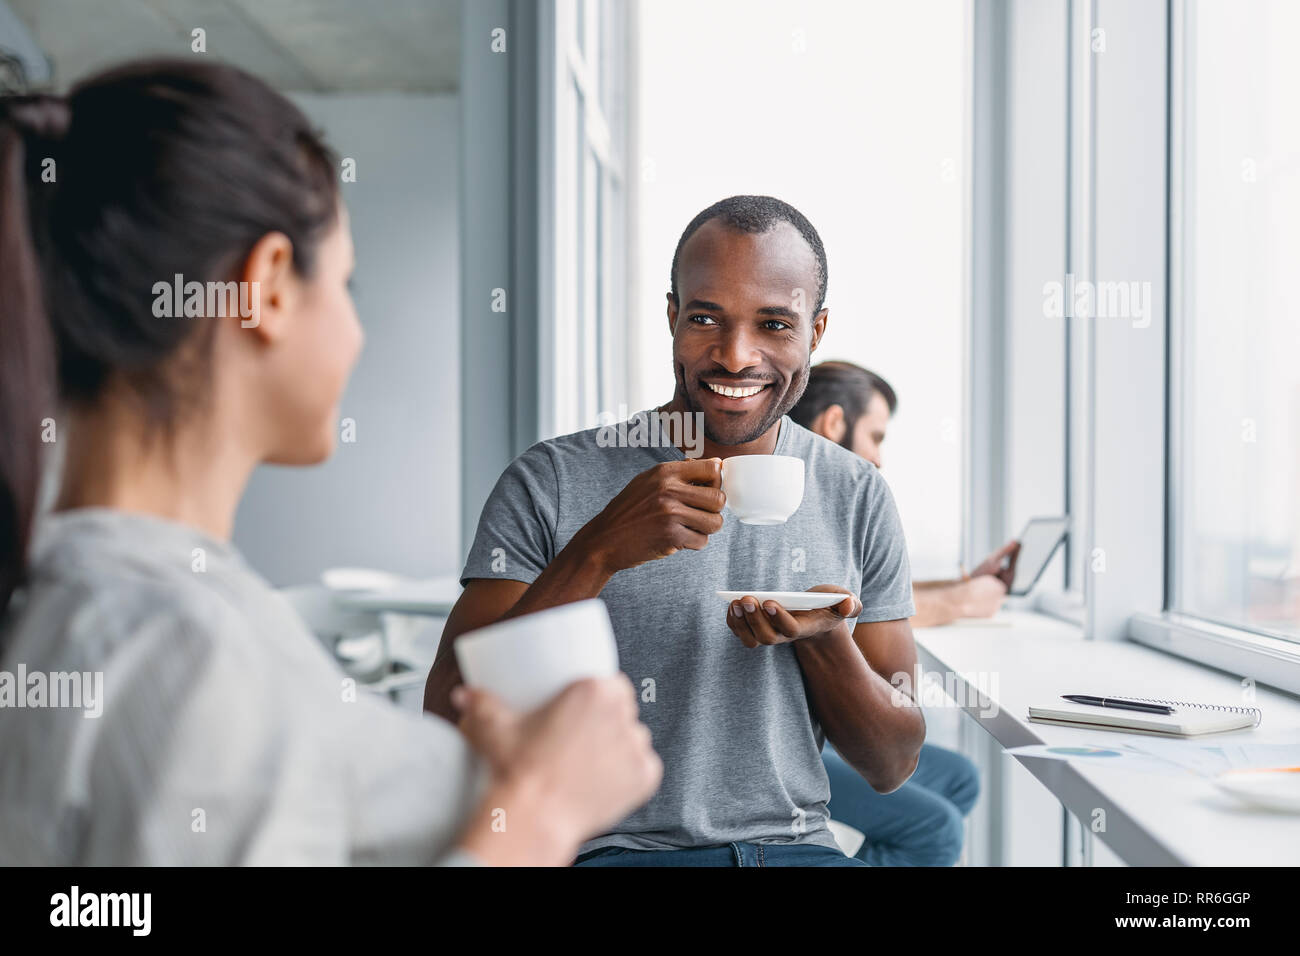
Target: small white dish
point(1269, 789)
point(790, 600)
point(359, 579)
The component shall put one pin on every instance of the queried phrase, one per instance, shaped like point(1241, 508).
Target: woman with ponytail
point(222, 734)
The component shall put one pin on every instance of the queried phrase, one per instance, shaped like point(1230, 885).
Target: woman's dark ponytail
point(148, 171)
point(27, 385)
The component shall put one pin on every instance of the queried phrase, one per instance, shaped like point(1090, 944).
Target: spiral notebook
point(1188, 719)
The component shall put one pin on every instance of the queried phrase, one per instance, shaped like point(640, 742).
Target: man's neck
point(764, 444)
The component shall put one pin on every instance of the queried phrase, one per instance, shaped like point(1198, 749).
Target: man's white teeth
point(735, 392)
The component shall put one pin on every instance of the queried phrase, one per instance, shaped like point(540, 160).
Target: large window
point(855, 113)
point(1236, 317)
point(584, 367)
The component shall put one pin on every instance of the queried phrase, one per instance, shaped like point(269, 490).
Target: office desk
point(1151, 820)
point(433, 597)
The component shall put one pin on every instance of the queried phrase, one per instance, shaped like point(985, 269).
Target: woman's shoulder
point(100, 584)
point(113, 622)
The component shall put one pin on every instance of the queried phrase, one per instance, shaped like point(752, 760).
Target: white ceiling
point(331, 46)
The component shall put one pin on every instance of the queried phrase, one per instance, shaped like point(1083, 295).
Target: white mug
point(763, 489)
point(527, 660)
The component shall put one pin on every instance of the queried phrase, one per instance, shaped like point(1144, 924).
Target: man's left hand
point(767, 622)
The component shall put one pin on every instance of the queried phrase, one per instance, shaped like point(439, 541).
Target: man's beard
point(774, 414)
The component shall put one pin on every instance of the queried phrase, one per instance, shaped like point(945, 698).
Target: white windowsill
point(1001, 667)
point(1266, 660)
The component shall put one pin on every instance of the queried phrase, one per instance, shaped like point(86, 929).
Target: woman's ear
point(269, 287)
point(830, 424)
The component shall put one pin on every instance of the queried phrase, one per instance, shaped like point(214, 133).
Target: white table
point(433, 597)
point(1150, 820)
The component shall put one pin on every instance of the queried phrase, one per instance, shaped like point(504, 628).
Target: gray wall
point(390, 500)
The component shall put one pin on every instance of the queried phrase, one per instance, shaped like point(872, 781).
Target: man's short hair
point(846, 385)
point(756, 214)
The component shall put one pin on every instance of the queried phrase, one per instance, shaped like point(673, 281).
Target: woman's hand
point(561, 774)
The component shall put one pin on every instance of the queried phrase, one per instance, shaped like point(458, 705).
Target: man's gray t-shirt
point(740, 747)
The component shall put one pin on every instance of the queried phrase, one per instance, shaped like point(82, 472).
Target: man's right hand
point(664, 509)
point(669, 507)
point(1001, 564)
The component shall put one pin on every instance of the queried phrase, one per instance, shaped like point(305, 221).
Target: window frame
point(582, 342)
point(1125, 216)
point(1232, 647)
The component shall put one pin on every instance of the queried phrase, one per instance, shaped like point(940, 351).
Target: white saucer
point(359, 579)
point(790, 600)
point(1269, 789)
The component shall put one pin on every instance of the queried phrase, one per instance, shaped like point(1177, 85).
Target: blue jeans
point(731, 854)
point(920, 823)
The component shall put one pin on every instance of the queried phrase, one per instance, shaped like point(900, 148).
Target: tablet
point(1038, 542)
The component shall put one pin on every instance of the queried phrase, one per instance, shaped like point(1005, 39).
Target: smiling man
point(738, 697)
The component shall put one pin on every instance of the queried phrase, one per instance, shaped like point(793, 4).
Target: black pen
point(1118, 703)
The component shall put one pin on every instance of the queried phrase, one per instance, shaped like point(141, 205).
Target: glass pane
point(589, 371)
point(581, 302)
point(611, 60)
point(599, 56)
point(891, 218)
point(1239, 531)
point(598, 296)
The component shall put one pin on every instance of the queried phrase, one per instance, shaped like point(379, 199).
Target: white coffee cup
point(762, 489)
point(527, 660)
